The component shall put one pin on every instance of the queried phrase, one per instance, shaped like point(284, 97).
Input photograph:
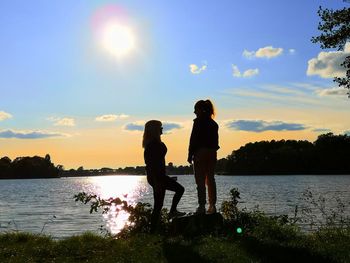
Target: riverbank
point(327, 246)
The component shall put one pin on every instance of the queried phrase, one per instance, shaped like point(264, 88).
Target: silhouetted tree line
point(28, 167)
point(129, 170)
point(329, 154)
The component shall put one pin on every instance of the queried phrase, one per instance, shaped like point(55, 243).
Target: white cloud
point(111, 117)
point(268, 52)
point(197, 70)
point(4, 115)
point(250, 73)
point(328, 64)
point(331, 92)
point(65, 122)
point(246, 74)
point(235, 71)
point(62, 121)
point(292, 51)
point(248, 54)
point(264, 52)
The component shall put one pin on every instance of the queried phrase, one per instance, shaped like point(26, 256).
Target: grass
point(327, 245)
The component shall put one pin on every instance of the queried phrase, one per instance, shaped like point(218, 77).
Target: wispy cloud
point(135, 126)
point(248, 54)
point(246, 74)
point(291, 51)
point(332, 92)
point(328, 64)
point(69, 122)
point(322, 130)
point(196, 69)
point(65, 122)
point(111, 117)
point(139, 126)
point(4, 115)
point(7, 134)
point(302, 94)
point(261, 125)
point(169, 126)
point(264, 52)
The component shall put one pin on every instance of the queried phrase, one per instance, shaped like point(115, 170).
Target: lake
point(48, 206)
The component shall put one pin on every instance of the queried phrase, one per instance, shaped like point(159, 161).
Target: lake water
point(48, 206)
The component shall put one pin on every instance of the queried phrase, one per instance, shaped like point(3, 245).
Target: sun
point(117, 39)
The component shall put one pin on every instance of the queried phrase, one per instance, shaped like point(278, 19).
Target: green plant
point(139, 215)
point(321, 212)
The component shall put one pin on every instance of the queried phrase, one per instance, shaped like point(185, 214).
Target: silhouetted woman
point(204, 143)
point(154, 154)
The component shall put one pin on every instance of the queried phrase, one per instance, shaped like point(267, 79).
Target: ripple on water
point(29, 205)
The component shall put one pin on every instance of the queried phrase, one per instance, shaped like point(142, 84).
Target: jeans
point(159, 188)
point(204, 168)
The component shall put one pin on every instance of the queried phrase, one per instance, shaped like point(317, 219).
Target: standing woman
point(154, 154)
point(204, 143)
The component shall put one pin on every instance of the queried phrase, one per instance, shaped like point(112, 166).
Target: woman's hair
point(151, 132)
point(205, 107)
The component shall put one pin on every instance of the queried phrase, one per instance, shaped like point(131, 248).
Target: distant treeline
point(329, 154)
point(138, 170)
point(28, 167)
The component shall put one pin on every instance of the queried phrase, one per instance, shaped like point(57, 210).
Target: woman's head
point(153, 130)
point(204, 108)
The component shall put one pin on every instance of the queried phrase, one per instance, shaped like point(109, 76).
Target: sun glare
point(117, 39)
point(127, 188)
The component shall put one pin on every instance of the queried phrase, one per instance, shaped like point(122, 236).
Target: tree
point(48, 157)
point(335, 28)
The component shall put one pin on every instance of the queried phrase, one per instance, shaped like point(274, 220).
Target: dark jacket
point(204, 135)
point(154, 155)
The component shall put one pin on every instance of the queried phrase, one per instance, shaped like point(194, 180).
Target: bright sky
point(78, 79)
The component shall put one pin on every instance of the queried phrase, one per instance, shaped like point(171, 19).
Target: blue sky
point(252, 58)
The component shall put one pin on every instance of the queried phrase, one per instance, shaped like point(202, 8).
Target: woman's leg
point(210, 178)
point(199, 175)
point(174, 186)
point(158, 195)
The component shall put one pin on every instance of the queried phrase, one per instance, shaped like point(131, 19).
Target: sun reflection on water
point(128, 188)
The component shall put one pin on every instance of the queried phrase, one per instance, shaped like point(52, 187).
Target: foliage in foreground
point(264, 239)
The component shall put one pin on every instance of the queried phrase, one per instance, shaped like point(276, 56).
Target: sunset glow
point(79, 81)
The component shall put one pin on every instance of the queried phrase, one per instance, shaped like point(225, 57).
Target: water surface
point(48, 206)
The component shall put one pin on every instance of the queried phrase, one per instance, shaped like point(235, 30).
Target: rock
point(193, 224)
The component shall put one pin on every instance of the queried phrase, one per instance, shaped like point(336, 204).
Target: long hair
point(152, 132)
point(205, 108)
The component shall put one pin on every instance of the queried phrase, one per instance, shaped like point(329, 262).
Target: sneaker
point(200, 210)
point(176, 214)
point(211, 210)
